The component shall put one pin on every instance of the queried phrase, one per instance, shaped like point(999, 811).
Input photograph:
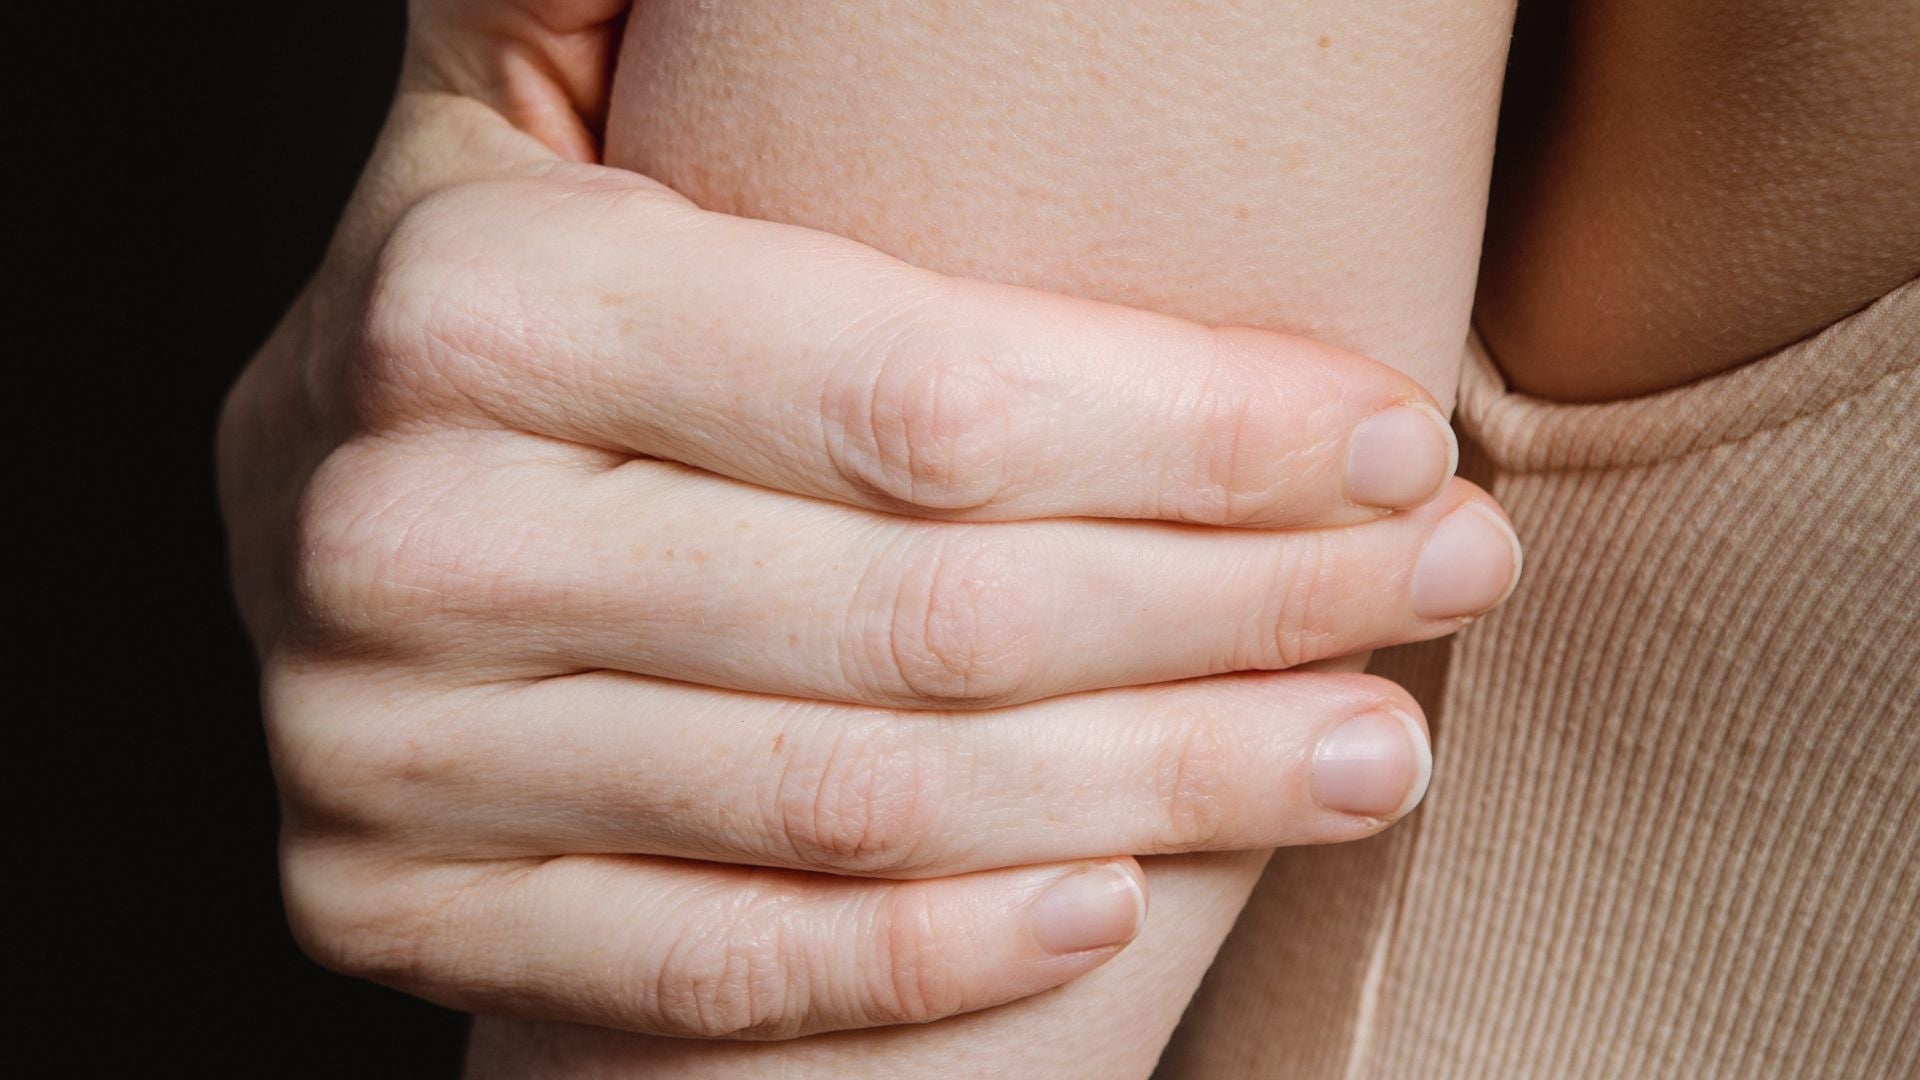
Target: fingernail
point(1400, 456)
point(1470, 564)
point(1374, 765)
point(1089, 909)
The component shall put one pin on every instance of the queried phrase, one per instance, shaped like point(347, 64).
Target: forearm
point(1312, 167)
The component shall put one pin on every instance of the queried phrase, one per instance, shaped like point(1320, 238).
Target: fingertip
point(1090, 908)
point(1470, 564)
point(1401, 456)
point(1422, 743)
point(1375, 765)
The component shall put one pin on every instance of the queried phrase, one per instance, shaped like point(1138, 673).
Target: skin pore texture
point(1314, 167)
point(1684, 187)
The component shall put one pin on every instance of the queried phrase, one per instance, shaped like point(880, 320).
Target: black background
point(190, 160)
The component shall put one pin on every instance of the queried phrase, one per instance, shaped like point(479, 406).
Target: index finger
point(600, 308)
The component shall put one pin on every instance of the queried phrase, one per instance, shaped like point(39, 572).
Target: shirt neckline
point(1528, 434)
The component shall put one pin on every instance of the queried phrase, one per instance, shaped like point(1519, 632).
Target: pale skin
point(587, 589)
point(1343, 248)
point(973, 158)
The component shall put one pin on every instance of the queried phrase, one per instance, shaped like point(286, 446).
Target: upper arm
point(1315, 166)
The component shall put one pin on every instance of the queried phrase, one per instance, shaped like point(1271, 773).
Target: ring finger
point(607, 763)
point(728, 585)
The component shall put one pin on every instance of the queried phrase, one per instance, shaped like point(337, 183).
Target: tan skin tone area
point(1683, 187)
point(1317, 167)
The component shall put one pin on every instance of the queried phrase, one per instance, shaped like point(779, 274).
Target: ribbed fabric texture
point(1674, 828)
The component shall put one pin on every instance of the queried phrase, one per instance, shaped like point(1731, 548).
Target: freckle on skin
point(1326, 42)
point(1241, 213)
point(779, 740)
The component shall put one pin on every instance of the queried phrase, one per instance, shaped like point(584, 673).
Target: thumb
point(546, 66)
point(487, 87)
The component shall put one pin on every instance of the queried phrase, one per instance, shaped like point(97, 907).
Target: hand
point(585, 534)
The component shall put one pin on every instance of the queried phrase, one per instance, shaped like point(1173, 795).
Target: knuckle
point(926, 424)
point(344, 767)
point(365, 549)
point(1193, 783)
point(388, 547)
point(914, 978)
point(963, 624)
point(1297, 620)
point(731, 979)
point(1239, 454)
point(440, 299)
point(862, 804)
point(351, 923)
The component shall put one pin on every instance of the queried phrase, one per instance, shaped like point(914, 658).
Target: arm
point(1314, 167)
point(599, 549)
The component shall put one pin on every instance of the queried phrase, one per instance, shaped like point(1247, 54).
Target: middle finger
point(728, 585)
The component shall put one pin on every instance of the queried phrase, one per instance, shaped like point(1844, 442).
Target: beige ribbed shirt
point(1674, 828)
